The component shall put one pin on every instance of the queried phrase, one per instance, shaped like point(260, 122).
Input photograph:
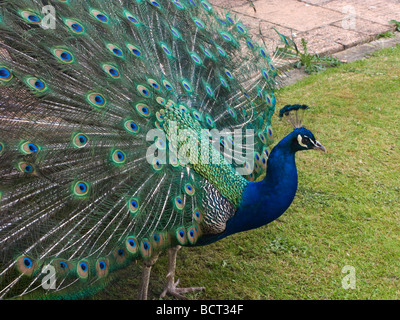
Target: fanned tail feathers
point(78, 193)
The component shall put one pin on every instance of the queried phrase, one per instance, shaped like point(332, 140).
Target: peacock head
point(301, 138)
point(304, 140)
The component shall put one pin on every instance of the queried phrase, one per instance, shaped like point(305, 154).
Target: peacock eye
point(306, 140)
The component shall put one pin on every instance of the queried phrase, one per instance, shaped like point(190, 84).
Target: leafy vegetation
point(387, 34)
point(397, 23)
point(312, 63)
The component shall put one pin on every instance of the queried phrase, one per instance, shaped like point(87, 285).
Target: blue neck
point(267, 200)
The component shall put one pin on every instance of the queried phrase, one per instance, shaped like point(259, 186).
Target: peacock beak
point(319, 146)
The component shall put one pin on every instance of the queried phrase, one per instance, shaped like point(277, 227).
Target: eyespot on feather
point(221, 51)
point(154, 84)
point(29, 148)
point(145, 248)
point(36, 84)
point(241, 28)
point(168, 85)
point(209, 121)
point(179, 203)
point(270, 133)
point(75, 26)
point(197, 115)
point(116, 51)
point(63, 266)
point(206, 6)
point(157, 240)
point(5, 74)
point(200, 24)
point(96, 99)
point(173, 161)
point(229, 74)
point(257, 158)
point(99, 16)
point(112, 71)
point(181, 236)
point(166, 49)
point(189, 189)
point(261, 136)
point(31, 17)
point(178, 4)
point(176, 33)
point(133, 205)
point(82, 269)
point(264, 160)
point(79, 140)
point(192, 235)
point(134, 50)
point(198, 215)
point(132, 245)
point(144, 91)
point(143, 110)
point(223, 82)
point(195, 57)
point(161, 144)
point(159, 125)
point(131, 126)
point(208, 53)
point(63, 55)
point(26, 167)
point(157, 165)
point(209, 91)
point(26, 265)
point(132, 18)
point(155, 3)
point(80, 188)
point(118, 157)
point(102, 267)
point(120, 256)
point(186, 85)
point(161, 101)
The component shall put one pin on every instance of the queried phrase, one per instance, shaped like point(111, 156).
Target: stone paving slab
point(329, 26)
point(378, 11)
point(291, 14)
point(362, 51)
point(330, 39)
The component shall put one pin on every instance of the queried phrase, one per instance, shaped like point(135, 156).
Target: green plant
point(387, 34)
point(312, 63)
point(397, 23)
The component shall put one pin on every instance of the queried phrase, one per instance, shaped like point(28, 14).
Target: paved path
point(329, 26)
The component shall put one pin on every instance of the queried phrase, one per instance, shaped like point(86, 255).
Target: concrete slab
point(330, 39)
point(362, 51)
point(257, 26)
point(228, 4)
point(291, 14)
point(329, 26)
point(355, 53)
point(316, 2)
point(366, 27)
point(380, 11)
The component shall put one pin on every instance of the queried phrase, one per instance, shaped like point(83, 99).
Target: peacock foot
point(172, 290)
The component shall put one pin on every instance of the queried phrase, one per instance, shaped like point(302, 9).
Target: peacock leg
point(171, 286)
point(144, 285)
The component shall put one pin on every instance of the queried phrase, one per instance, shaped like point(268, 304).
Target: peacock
point(129, 128)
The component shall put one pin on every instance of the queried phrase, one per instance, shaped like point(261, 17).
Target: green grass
point(346, 211)
point(387, 34)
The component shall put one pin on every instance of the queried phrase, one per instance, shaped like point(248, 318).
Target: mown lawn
point(346, 211)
